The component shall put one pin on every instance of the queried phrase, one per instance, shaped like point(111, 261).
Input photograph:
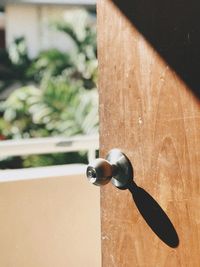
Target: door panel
point(148, 112)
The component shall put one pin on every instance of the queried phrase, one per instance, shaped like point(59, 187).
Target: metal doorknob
point(115, 168)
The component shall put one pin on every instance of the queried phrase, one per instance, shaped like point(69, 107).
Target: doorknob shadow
point(172, 28)
point(154, 216)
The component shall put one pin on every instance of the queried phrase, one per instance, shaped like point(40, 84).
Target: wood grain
point(148, 112)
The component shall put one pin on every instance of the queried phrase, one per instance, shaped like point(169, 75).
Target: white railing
point(50, 145)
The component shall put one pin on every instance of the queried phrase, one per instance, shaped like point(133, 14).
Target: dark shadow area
point(154, 216)
point(173, 29)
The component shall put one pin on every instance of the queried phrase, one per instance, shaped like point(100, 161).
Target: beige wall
point(52, 222)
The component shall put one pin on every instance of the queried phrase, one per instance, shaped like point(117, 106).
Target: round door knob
point(100, 172)
point(115, 168)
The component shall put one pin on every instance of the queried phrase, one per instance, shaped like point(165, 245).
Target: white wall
point(32, 21)
point(20, 21)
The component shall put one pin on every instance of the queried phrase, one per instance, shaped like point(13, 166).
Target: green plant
point(14, 64)
point(62, 99)
point(50, 63)
point(57, 108)
point(80, 63)
point(82, 31)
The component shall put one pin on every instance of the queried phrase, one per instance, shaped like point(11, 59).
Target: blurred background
point(50, 215)
point(48, 75)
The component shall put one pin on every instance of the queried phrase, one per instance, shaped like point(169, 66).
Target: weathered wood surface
point(148, 112)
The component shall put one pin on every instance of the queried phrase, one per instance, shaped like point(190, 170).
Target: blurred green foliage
point(58, 93)
point(14, 64)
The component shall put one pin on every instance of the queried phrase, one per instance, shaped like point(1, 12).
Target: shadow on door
point(154, 215)
point(172, 28)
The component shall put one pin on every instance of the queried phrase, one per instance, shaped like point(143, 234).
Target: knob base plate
point(124, 169)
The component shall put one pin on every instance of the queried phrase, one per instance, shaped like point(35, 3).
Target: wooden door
point(149, 82)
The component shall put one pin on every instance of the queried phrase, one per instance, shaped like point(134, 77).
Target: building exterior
point(31, 18)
